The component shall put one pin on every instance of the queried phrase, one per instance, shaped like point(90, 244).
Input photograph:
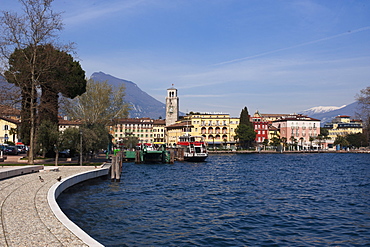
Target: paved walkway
point(26, 218)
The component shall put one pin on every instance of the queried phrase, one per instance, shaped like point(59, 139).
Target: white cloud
point(81, 12)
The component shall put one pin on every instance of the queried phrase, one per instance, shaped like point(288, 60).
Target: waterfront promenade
point(26, 217)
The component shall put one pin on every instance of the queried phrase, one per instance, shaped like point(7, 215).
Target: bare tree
point(364, 103)
point(37, 26)
point(100, 104)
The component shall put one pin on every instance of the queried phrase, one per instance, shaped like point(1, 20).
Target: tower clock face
point(170, 109)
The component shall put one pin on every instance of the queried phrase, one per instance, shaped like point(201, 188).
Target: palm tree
point(301, 139)
point(283, 139)
point(311, 140)
point(13, 132)
point(320, 137)
point(292, 140)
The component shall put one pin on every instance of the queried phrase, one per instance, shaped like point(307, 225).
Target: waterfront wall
point(7, 172)
point(59, 187)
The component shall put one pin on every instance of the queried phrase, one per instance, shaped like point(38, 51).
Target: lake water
point(230, 200)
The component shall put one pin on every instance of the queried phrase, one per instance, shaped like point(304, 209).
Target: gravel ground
point(26, 218)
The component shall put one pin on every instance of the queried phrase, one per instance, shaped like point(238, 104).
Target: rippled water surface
point(230, 200)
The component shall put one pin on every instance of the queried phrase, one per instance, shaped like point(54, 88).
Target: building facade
point(261, 127)
point(142, 128)
point(174, 131)
point(159, 131)
point(64, 123)
point(343, 125)
point(8, 130)
point(298, 130)
point(218, 129)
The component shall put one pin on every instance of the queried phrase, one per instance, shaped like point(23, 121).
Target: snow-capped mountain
point(321, 109)
point(326, 113)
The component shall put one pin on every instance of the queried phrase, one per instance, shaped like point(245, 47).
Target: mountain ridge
point(321, 109)
point(142, 104)
point(329, 115)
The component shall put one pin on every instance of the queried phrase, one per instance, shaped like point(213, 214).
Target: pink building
point(297, 129)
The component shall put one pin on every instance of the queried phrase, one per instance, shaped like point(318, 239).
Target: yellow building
point(158, 131)
point(8, 130)
point(174, 131)
point(218, 129)
point(342, 126)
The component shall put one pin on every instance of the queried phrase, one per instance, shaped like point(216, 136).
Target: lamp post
point(80, 147)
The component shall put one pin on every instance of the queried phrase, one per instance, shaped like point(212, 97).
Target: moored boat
point(152, 153)
point(194, 148)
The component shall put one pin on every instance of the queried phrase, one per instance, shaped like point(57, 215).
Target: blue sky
point(269, 55)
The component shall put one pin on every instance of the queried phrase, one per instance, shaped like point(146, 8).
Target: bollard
point(137, 157)
point(172, 156)
point(180, 154)
point(113, 169)
point(120, 165)
point(117, 168)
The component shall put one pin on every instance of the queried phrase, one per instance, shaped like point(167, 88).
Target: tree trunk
point(56, 157)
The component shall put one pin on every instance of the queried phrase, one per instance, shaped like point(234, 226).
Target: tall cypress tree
point(245, 118)
point(245, 131)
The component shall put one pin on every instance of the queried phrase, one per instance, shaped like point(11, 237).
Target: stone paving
point(26, 218)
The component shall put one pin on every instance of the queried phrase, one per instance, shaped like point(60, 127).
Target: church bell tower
point(172, 106)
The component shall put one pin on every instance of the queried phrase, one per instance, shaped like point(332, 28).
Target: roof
point(297, 117)
point(10, 120)
point(180, 125)
point(159, 121)
point(272, 128)
point(133, 120)
point(62, 121)
point(8, 111)
point(273, 115)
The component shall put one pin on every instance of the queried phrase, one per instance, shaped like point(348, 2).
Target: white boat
point(194, 148)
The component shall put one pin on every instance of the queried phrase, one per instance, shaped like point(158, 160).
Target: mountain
point(321, 109)
point(327, 113)
point(142, 104)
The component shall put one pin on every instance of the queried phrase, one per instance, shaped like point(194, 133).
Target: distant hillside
point(143, 105)
point(326, 114)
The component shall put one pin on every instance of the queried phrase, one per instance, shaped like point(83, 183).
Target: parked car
point(21, 149)
point(11, 150)
point(65, 154)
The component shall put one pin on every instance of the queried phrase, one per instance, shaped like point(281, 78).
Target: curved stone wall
point(58, 188)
